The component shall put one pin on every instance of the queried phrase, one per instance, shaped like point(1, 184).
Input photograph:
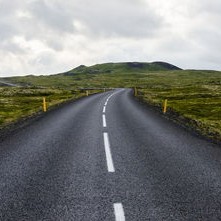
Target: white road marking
point(104, 120)
point(104, 109)
point(108, 98)
point(110, 164)
point(119, 212)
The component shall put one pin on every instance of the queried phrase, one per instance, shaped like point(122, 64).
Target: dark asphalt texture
point(55, 168)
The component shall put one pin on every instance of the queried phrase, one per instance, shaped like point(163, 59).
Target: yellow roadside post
point(165, 106)
point(44, 104)
point(135, 91)
point(87, 93)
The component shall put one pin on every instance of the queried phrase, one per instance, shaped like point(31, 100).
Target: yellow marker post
point(87, 93)
point(44, 104)
point(165, 106)
point(135, 91)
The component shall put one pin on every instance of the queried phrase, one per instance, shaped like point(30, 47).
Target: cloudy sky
point(51, 36)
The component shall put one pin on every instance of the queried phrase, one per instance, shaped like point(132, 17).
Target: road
point(108, 157)
point(3, 83)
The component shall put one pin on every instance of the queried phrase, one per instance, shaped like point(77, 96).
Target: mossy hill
point(126, 67)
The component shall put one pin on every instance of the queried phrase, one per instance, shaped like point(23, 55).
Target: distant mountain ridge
point(123, 67)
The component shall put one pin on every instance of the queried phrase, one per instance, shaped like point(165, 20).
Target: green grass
point(193, 95)
point(17, 103)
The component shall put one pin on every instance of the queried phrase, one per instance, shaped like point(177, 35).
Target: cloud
point(52, 15)
point(45, 36)
point(118, 18)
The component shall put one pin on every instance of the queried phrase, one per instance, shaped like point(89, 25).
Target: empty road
point(107, 157)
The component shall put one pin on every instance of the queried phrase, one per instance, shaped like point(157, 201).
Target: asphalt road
point(3, 83)
point(107, 157)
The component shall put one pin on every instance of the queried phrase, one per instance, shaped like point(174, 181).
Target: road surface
point(3, 83)
point(107, 157)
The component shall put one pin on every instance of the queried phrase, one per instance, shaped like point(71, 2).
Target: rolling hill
point(95, 76)
point(126, 67)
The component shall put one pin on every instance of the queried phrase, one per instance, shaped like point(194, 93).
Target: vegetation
point(17, 103)
point(102, 75)
point(194, 97)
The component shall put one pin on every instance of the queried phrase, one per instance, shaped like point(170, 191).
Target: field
point(17, 103)
point(194, 97)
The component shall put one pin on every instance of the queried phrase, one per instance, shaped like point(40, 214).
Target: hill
point(96, 76)
point(126, 67)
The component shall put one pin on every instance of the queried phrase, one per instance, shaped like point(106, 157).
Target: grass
point(18, 103)
point(195, 96)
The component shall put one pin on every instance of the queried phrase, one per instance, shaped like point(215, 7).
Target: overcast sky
point(51, 36)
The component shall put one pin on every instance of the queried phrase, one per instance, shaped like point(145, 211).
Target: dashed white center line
point(118, 207)
point(110, 164)
point(119, 212)
point(104, 120)
point(104, 109)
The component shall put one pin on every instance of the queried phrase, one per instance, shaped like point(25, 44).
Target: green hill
point(96, 76)
point(126, 67)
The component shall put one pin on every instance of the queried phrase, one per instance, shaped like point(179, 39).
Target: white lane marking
point(104, 120)
point(108, 98)
point(110, 164)
point(104, 109)
point(119, 212)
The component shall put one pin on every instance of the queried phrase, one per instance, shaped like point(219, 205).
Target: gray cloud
point(52, 15)
point(118, 18)
point(7, 30)
point(11, 47)
point(64, 34)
